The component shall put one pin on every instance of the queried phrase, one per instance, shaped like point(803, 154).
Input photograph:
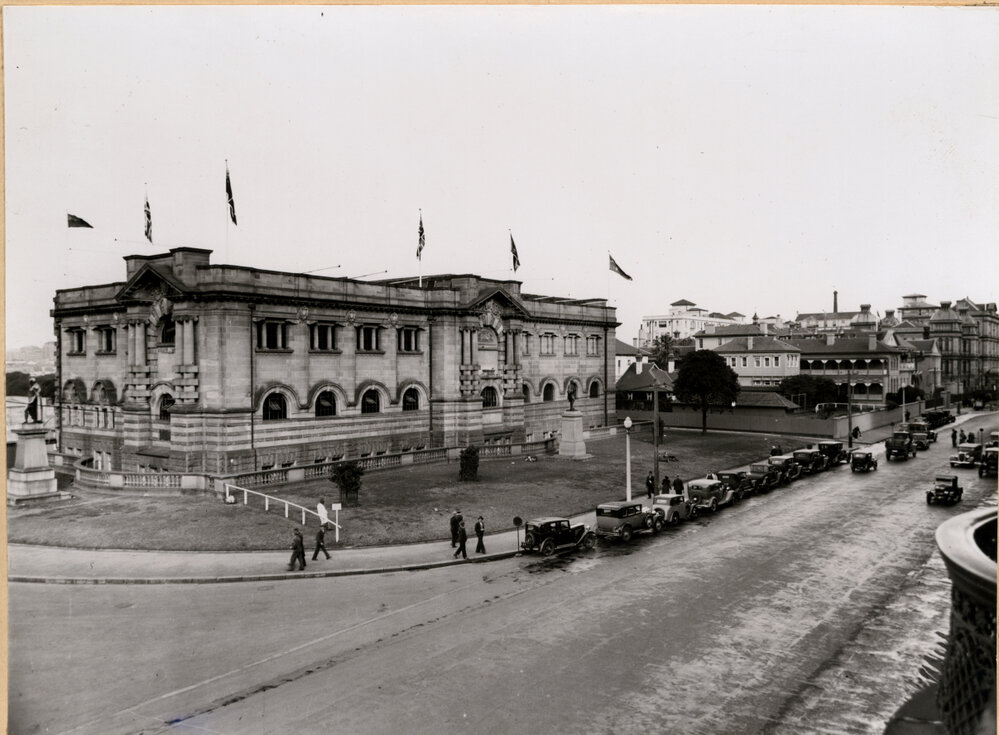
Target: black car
point(548, 535)
point(764, 477)
point(863, 460)
point(738, 481)
point(945, 490)
point(834, 452)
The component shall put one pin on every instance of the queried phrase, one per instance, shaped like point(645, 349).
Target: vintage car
point(674, 507)
point(737, 480)
point(938, 417)
point(834, 452)
point(786, 467)
point(990, 458)
point(863, 460)
point(548, 535)
point(920, 440)
point(994, 438)
point(709, 493)
point(765, 478)
point(968, 454)
point(945, 490)
point(899, 445)
point(810, 460)
point(922, 425)
point(622, 519)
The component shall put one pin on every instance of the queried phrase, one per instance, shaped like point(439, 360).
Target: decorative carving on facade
point(303, 314)
point(351, 317)
point(160, 307)
point(491, 316)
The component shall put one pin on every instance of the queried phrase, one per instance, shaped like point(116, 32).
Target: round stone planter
point(966, 696)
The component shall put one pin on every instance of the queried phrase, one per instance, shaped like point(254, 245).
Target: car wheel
point(529, 541)
point(960, 495)
point(626, 534)
point(693, 512)
point(852, 468)
point(953, 465)
point(981, 472)
point(588, 542)
point(650, 522)
point(929, 498)
point(547, 547)
point(675, 519)
point(657, 524)
point(714, 504)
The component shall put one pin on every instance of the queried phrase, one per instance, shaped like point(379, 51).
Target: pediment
point(499, 303)
point(150, 285)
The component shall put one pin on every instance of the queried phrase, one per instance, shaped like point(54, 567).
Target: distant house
point(626, 355)
point(634, 388)
point(760, 361)
point(683, 319)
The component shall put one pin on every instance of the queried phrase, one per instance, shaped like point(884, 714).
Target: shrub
point(469, 468)
point(347, 477)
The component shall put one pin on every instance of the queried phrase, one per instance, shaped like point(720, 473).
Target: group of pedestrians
point(676, 485)
point(459, 536)
point(298, 541)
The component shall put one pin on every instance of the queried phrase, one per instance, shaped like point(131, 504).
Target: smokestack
point(835, 301)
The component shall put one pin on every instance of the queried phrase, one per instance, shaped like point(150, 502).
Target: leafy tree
point(815, 390)
point(347, 477)
point(662, 350)
point(468, 469)
point(17, 384)
point(704, 379)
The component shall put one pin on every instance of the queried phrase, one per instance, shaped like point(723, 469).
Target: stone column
point(178, 342)
point(473, 354)
point(140, 343)
point(188, 356)
point(464, 347)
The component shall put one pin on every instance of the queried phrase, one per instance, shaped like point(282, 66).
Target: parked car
point(739, 481)
point(674, 507)
point(968, 454)
point(899, 445)
point(622, 519)
point(921, 440)
point(709, 494)
point(945, 490)
point(786, 467)
point(990, 458)
point(863, 460)
point(938, 417)
point(765, 478)
point(548, 535)
point(811, 461)
point(994, 438)
point(834, 452)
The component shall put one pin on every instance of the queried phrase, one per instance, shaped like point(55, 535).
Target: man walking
point(480, 531)
point(678, 485)
point(953, 437)
point(462, 539)
point(456, 520)
point(650, 485)
point(320, 543)
point(297, 551)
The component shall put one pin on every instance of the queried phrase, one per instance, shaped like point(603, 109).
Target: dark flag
point(513, 251)
point(423, 240)
point(228, 193)
point(616, 268)
point(74, 221)
point(149, 222)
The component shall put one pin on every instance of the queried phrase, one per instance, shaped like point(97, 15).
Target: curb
point(30, 579)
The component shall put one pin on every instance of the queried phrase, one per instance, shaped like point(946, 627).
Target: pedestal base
point(571, 444)
point(31, 478)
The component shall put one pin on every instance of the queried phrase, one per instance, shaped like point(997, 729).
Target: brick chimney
point(830, 338)
point(835, 301)
point(765, 327)
point(749, 343)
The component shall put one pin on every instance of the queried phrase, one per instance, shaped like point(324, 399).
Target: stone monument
point(571, 442)
point(31, 477)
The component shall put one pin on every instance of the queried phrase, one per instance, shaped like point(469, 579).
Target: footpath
point(60, 565)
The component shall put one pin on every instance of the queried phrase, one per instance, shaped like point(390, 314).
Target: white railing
point(288, 505)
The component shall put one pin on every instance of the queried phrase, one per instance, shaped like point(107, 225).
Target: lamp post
point(627, 457)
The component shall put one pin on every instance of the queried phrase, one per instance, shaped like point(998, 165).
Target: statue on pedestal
point(33, 410)
point(571, 395)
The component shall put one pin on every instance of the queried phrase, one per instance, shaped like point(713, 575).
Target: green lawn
point(397, 506)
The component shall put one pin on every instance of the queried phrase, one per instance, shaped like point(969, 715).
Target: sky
point(745, 158)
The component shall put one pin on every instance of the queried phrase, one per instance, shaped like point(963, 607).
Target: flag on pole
point(74, 221)
point(423, 241)
point(149, 221)
point(616, 268)
point(513, 251)
point(228, 194)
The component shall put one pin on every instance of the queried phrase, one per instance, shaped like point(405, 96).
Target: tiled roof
point(826, 315)
point(632, 380)
point(731, 331)
point(841, 346)
point(623, 348)
point(760, 344)
point(682, 302)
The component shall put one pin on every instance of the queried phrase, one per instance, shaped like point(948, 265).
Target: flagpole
point(227, 216)
point(419, 251)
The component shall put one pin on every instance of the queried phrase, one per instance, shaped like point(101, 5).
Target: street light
point(627, 457)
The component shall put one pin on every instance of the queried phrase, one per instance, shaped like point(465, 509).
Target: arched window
point(325, 404)
point(594, 389)
point(168, 331)
point(371, 402)
point(411, 400)
point(489, 398)
point(275, 407)
point(166, 403)
point(548, 394)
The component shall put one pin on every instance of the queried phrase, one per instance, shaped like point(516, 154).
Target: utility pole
point(655, 430)
point(849, 409)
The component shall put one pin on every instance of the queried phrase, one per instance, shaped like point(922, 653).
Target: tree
point(662, 350)
point(468, 469)
point(815, 390)
point(704, 379)
point(347, 477)
point(17, 384)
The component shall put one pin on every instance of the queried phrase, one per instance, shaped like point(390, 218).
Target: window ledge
point(370, 352)
point(272, 350)
point(320, 352)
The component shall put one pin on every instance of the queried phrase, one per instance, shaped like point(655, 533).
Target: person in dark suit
point(297, 551)
point(650, 484)
point(456, 519)
point(320, 543)
point(678, 485)
point(480, 531)
point(462, 539)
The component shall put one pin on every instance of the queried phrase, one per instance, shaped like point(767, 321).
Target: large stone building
point(683, 320)
point(188, 366)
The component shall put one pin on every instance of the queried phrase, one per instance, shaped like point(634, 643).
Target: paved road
point(809, 610)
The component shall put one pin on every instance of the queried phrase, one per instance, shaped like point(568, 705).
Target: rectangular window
point(272, 335)
point(77, 341)
point(777, 361)
point(106, 342)
point(547, 344)
point(592, 346)
point(766, 362)
point(745, 361)
point(571, 344)
point(756, 361)
point(322, 337)
point(526, 342)
point(409, 339)
point(368, 339)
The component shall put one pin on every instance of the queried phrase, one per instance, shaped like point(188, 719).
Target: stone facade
point(192, 367)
